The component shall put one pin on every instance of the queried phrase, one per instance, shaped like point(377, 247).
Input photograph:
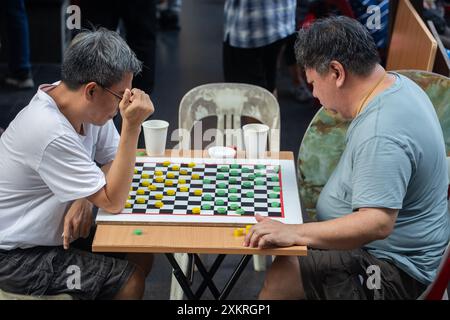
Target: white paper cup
point(155, 135)
point(255, 139)
point(219, 152)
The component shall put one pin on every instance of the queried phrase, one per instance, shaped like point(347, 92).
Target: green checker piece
point(233, 198)
point(259, 182)
point(275, 179)
point(276, 169)
point(224, 169)
point(273, 196)
point(240, 211)
point(247, 184)
point(260, 166)
point(245, 170)
point(137, 232)
point(275, 204)
point(276, 189)
point(234, 173)
point(259, 174)
point(220, 176)
point(222, 210)
point(206, 206)
point(235, 166)
point(251, 177)
point(207, 197)
point(220, 202)
point(249, 194)
point(206, 181)
point(233, 190)
point(234, 206)
point(232, 181)
point(221, 193)
point(222, 186)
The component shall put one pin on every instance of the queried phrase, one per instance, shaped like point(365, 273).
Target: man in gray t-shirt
point(383, 218)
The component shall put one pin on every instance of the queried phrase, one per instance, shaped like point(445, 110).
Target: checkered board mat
point(237, 190)
point(189, 191)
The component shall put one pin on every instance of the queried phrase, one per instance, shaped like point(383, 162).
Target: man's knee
point(134, 288)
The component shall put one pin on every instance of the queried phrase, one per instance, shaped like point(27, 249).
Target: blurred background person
point(19, 67)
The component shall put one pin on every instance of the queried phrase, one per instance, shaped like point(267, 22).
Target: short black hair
point(337, 38)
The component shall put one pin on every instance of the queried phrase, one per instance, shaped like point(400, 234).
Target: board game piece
point(184, 189)
point(145, 176)
point(222, 186)
point(221, 193)
point(171, 192)
point(145, 183)
point(238, 232)
point(249, 194)
point(158, 173)
point(234, 206)
point(159, 179)
point(275, 204)
point(137, 232)
point(159, 204)
point(168, 183)
point(240, 211)
point(222, 210)
point(206, 181)
point(128, 205)
point(273, 195)
point(206, 206)
point(170, 175)
point(166, 163)
point(195, 176)
point(140, 200)
point(196, 210)
point(220, 202)
point(158, 196)
point(191, 165)
point(198, 192)
point(233, 198)
point(274, 179)
point(152, 187)
point(207, 197)
point(140, 192)
point(233, 190)
point(183, 172)
point(175, 168)
point(181, 181)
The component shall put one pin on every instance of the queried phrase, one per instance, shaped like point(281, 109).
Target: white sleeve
point(107, 143)
point(68, 170)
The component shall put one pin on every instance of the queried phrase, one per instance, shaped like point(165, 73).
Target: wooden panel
point(412, 45)
point(181, 239)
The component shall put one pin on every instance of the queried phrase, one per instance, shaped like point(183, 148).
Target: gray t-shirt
point(395, 158)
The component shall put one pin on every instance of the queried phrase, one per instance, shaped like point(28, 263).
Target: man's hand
point(270, 233)
point(77, 222)
point(135, 107)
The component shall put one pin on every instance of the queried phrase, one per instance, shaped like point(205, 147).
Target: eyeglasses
point(113, 93)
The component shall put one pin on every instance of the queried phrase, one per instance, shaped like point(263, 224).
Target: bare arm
point(349, 232)
point(134, 109)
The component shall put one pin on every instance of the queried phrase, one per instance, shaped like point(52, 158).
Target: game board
point(210, 191)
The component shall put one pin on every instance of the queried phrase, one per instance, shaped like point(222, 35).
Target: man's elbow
point(384, 230)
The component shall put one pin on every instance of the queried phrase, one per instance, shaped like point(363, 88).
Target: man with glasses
point(49, 179)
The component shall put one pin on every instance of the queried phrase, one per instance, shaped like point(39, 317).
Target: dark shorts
point(53, 270)
point(257, 66)
point(353, 275)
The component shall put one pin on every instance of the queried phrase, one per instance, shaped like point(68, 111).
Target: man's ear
point(338, 73)
point(89, 90)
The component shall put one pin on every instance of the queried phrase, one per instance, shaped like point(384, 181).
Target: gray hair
point(100, 56)
point(337, 38)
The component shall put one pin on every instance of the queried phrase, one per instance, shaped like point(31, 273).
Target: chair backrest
point(412, 45)
point(324, 140)
point(437, 289)
point(229, 102)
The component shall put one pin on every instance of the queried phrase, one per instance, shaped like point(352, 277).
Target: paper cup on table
point(255, 140)
point(155, 135)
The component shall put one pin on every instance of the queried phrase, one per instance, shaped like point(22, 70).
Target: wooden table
point(187, 239)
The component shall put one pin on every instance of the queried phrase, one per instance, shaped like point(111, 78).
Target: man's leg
point(283, 280)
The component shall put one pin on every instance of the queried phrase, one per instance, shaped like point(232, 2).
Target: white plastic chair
point(229, 102)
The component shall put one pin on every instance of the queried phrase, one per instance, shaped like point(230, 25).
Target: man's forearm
point(349, 232)
point(120, 173)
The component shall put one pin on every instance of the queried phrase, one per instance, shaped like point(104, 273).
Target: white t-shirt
point(44, 166)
